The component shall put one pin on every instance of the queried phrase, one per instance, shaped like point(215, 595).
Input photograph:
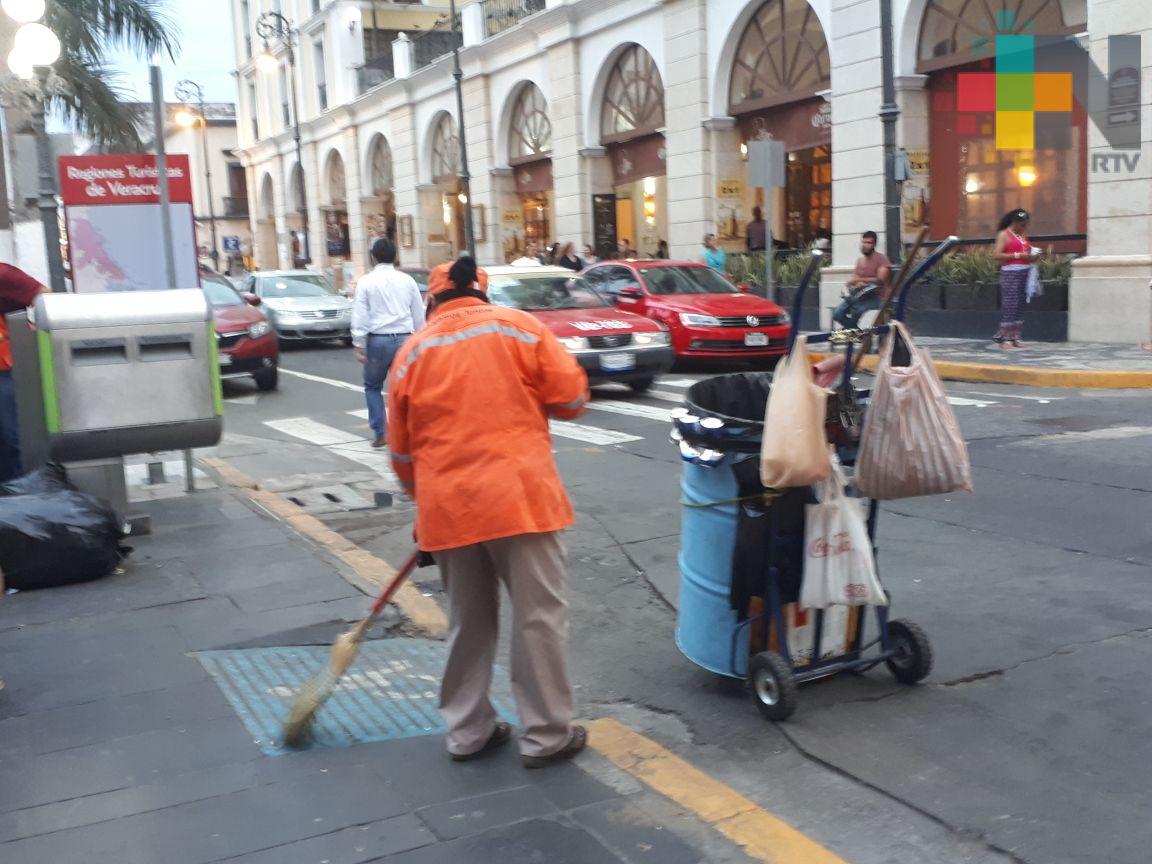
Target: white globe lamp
point(38, 44)
point(23, 11)
point(20, 64)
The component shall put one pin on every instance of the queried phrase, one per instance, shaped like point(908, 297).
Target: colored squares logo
point(1014, 93)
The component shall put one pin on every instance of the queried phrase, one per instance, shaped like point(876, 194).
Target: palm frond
point(91, 27)
point(85, 94)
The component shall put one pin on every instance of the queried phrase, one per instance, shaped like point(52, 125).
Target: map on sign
point(119, 248)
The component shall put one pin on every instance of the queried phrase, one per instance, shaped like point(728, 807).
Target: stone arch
point(267, 201)
point(632, 103)
point(528, 127)
point(379, 171)
point(443, 148)
point(296, 197)
point(335, 184)
point(593, 115)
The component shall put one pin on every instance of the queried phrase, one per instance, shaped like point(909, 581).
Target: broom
point(313, 695)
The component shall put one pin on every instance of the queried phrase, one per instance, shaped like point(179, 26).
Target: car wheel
point(641, 385)
point(347, 340)
point(267, 379)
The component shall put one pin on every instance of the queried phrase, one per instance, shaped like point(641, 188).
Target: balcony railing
point(235, 208)
point(500, 15)
point(375, 72)
point(431, 45)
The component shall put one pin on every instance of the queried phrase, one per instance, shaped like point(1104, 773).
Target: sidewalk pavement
point(1039, 364)
point(123, 742)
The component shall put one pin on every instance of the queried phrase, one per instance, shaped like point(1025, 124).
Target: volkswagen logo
point(753, 321)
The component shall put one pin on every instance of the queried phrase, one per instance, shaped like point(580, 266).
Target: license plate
point(756, 339)
point(617, 362)
point(225, 359)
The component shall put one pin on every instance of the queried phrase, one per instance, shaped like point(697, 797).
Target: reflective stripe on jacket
point(469, 398)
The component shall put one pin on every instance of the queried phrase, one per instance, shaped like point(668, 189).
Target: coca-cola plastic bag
point(839, 565)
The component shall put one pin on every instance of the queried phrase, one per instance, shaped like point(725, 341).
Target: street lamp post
point(465, 174)
point(273, 25)
point(889, 112)
point(35, 49)
point(189, 92)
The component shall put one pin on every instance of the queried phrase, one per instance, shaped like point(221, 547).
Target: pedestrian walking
point(756, 232)
point(1014, 252)
point(530, 258)
point(568, 258)
point(387, 310)
point(18, 291)
point(469, 399)
point(714, 256)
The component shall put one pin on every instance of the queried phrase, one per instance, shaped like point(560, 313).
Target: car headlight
point(651, 339)
point(690, 320)
point(574, 343)
point(346, 312)
point(783, 318)
point(258, 329)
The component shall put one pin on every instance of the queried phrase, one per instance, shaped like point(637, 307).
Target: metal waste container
point(117, 374)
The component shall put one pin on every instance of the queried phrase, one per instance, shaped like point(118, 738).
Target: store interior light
point(447, 212)
point(649, 185)
point(23, 11)
point(972, 184)
point(1026, 174)
point(38, 44)
point(744, 149)
point(462, 198)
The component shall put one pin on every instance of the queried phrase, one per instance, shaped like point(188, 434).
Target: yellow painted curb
point(1031, 376)
point(422, 611)
point(763, 837)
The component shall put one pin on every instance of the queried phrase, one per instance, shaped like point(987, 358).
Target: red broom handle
point(394, 586)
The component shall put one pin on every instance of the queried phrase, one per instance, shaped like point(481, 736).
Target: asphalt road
point(1027, 742)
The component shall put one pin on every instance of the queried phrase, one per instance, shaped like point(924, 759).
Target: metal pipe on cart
point(926, 265)
point(801, 289)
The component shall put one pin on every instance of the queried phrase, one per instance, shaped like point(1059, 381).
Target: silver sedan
point(302, 306)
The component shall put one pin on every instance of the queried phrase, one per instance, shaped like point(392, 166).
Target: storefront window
point(809, 195)
point(445, 151)
point(782, 57)
point(531, 132)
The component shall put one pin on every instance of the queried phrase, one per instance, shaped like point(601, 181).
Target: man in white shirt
point(387, 310)
point(529, 258)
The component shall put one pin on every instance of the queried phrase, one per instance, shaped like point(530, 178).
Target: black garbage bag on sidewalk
point(57, 538)
point(50, 478)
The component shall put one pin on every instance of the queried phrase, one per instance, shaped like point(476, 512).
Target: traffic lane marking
point(763, 836)
point(332, 382)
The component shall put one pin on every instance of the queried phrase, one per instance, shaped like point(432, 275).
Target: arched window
point(530, 131)
point(633, 99)
point(380, 167)
point(782, 57)
point(337, 189)
point(954, 32)
point(267, 200)
point(445, 150)
point(296, 189)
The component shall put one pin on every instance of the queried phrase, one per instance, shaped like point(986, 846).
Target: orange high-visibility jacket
point(469, 398)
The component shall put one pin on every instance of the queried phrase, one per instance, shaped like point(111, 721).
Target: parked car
point(302, 306)
point(707, 315)
point(420, 274)
point(245, 343)
point(611, 344)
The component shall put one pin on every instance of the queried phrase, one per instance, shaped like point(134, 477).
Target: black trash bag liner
point(739, 400)
point(57, 538)
point(51, 478)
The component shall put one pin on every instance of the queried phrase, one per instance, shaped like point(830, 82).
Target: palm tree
point(83, 88)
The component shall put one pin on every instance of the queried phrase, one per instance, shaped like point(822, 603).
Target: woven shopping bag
point(794, 451)
point(911, 443)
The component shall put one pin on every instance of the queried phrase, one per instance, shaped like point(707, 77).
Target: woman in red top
point(1014, 252)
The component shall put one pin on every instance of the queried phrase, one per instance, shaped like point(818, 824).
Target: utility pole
point(162, 173)
point(188, 91)
point(49, 214)
point(889, 112)
point(465, 175)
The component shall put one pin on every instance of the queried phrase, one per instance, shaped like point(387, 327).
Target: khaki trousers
point(531, 566)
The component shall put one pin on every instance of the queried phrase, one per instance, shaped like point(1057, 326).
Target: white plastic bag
point(839, 565)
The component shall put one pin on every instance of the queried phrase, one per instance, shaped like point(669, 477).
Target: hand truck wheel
point(911, 660)
point(772, 685)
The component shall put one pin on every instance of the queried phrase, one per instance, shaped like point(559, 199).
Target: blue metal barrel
point(705, 623)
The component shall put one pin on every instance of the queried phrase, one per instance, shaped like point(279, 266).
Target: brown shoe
point(380, 443)
point(575, 745)
point(500, 736)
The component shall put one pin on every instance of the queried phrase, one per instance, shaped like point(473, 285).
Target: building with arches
point(599, 122)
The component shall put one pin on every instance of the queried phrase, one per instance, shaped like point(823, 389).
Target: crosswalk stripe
point(332, 382)
point(591, 434)
point(362, 413)
point(679, 382)
point(632, 409)
point(960, 402)
point(309, 430)
point(665, 396)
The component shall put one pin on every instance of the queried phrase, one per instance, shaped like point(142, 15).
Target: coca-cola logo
point(825, 547)
point(855, 591)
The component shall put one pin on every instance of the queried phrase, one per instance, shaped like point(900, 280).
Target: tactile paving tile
point(390, 692)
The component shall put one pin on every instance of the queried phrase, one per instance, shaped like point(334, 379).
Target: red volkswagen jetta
point(708, 316)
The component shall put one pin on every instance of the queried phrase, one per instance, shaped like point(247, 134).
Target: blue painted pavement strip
point(390, 692)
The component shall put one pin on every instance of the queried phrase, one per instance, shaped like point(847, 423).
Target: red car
point(245, 341)
point(611, 344)
point(708, 316)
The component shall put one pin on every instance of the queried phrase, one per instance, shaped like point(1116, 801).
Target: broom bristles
point(313, 695)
